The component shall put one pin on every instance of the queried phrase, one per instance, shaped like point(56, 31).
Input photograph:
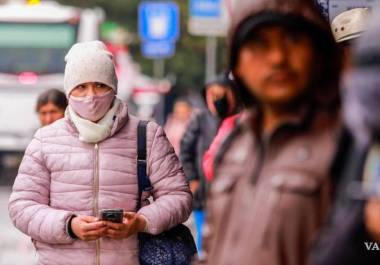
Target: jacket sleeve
point(172, 197)
point(29, 207)
point(188, 150)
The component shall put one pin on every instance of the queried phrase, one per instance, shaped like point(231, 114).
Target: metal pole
point(159, 68)
point(159, 73)
point(211, 53)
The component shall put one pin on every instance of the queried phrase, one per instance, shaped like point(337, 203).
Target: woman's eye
point(100, 85)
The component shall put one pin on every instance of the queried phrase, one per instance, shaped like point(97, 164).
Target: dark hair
point(221, 80)
point(182, 99)
point(55, 96)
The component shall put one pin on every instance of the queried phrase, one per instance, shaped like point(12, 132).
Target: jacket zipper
point(96, 197)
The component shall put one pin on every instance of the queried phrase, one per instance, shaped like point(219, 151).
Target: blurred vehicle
point(33, 42)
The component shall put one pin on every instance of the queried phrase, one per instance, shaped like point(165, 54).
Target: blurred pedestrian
point(176, 123)
point(351, 235)
point(200, 132)
point(271, 190)
point(87, 162)
point(51, 106)
point(227, 125)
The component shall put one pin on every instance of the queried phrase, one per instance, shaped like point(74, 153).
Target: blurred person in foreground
point(51, 106)
point(352, 233)
point(200, 132)
point(177, 122)
point(272, 187)
point(87, 162)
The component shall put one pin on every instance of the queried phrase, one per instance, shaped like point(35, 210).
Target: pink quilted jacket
point(61, 176)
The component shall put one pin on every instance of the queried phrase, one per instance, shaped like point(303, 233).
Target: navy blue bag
point(173, 247)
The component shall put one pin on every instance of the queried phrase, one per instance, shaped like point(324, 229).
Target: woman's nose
point(91, 90)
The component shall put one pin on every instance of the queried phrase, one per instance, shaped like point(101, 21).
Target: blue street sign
point(159, 21)
point(205, 8)
point(158, 49)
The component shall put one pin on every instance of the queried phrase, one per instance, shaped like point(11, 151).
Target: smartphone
point(112, 215)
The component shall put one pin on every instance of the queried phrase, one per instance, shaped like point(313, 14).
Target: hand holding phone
point(88, 227)
point(133, 223)
point(112, 215)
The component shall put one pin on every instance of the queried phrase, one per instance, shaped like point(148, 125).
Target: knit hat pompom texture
point(89, 62)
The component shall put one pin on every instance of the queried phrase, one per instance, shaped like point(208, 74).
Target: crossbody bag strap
point(144, 183)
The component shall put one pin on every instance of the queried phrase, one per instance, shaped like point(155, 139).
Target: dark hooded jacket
point(271, 193)
point(199, 134)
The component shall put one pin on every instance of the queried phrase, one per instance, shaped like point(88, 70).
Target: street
point(15, 247)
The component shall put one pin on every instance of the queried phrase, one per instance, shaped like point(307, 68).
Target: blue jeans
point(199, 218)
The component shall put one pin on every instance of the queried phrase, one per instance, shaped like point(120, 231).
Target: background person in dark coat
point(202, 128)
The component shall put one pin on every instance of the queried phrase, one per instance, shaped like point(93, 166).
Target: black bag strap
point(144, 183)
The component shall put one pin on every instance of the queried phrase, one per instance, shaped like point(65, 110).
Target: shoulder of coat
point(60, 127)
point(152, 127)
point(329, 123)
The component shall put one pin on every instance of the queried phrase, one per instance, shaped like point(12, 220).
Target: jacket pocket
point(220, 195)
point(297, 182)
point(223, 186)
point(218, 207)
point(288, 193)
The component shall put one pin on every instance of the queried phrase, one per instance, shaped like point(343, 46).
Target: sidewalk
point(15, 247)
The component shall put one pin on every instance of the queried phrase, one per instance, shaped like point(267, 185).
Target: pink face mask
point(92, 108)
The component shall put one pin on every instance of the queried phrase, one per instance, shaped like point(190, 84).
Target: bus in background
point(33, 42)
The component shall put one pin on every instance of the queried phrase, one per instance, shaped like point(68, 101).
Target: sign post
point(208, 18)
point(159, 29)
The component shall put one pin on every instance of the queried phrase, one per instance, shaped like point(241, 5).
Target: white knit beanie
point(89, 62)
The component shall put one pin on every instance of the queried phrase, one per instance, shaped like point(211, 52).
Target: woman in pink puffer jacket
point(87, 162)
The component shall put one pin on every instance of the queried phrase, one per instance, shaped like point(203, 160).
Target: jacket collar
point(251, 119)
